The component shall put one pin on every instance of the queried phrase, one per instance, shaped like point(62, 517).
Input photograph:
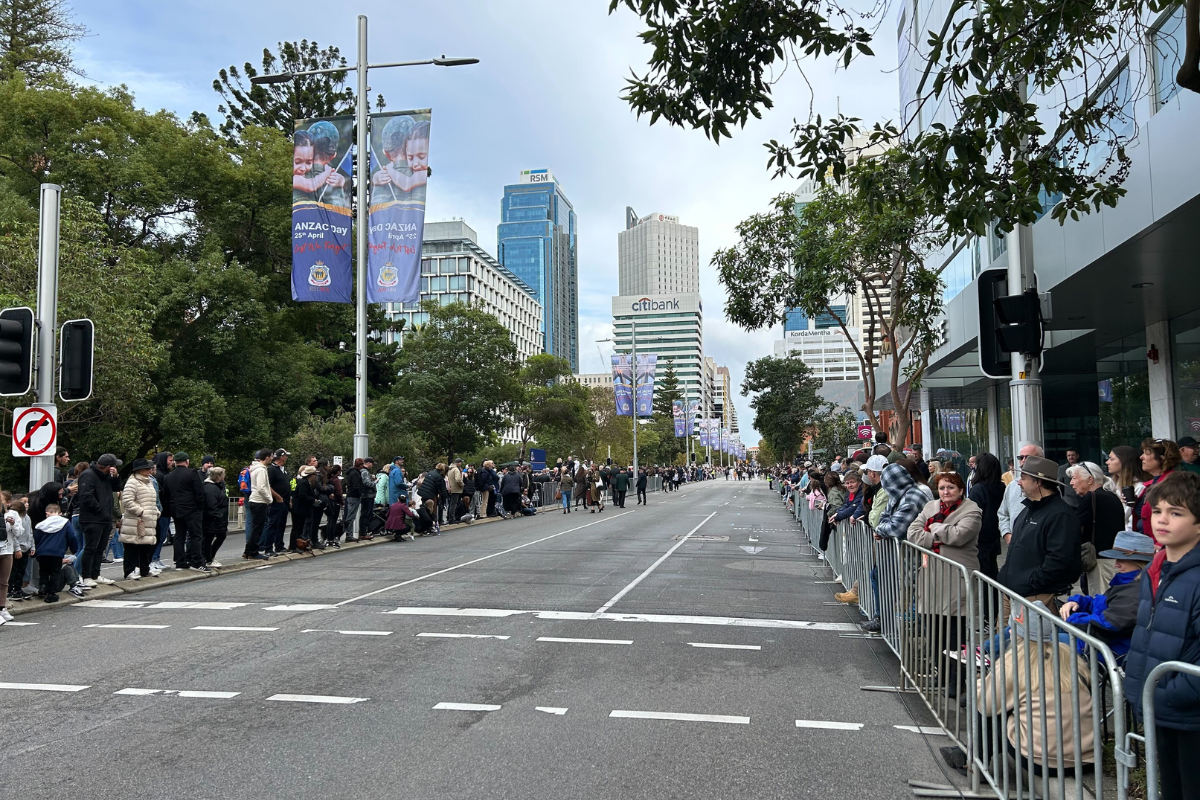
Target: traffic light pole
point(41, 468)
point(1026, 385)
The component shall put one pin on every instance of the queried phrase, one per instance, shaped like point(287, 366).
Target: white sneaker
point(104, 580)
point(82, 587)
point(88, 583)
point(133, 576)
point(155, 572)
point(5, 615)
point(215, 564)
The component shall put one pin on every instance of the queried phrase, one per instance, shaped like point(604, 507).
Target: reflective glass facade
point(536, 241)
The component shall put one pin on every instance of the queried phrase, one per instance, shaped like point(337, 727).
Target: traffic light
point(1020, 317)
point(994, 363)
point(76, 350)
point(16, 351)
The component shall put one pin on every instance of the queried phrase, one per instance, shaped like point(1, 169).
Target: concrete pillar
point(927, 443)
point(1162, 389)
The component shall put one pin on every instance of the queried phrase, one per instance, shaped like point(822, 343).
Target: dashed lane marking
point(584, 616)
point(44, 687)
point(207, 606)
point(461, 636)
point(551, 710)
point(231, 628)
point(348, 633)
point(199, 695)
point(921, 729)
point(584, 641)
point(726, 646)
point(131, 627)
point(829, 726)
point(669, 715)
point(465, 707)
point(317, 698)
point(301, 607)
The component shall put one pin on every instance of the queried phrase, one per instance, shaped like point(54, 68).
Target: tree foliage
point(553, 409)
point(840, 246)
point(785, 402)
point(833, 431)
point(36, 38)
point(1030, 115)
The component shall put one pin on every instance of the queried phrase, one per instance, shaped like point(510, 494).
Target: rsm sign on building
point(652, 304)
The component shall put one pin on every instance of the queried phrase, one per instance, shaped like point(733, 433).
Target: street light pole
point(633, 367)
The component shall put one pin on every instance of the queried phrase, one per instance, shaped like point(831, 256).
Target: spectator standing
point(987, 492)
point(510, 492)
point(337, 499)
point(306, 494)
point(281, 497)
point(1069, 495)
point(1160, 457)
point(366, 509)
point(641, 487)
point(185, 501)
point(354, 492)
point(139, 521)
point(258, 505)
point(97, 484)
point(1125, 468)
point(397, 480)
point(432, 486)
point(565, 484)
point(163, 464)
point(454, 485)
point(215, 519)
point(1011, 504)
point(1101, 517)
point(1189, 451)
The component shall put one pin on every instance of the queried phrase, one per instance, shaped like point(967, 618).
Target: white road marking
point(301, 607)
point(461, 636)
point(44, 687)
point(584, 616)
point(268, 566)
point(924, 730)
point(349, 633)
point(134, 627)
point(207, 606)
point(230, 628)
point(652, 567)
point(317, 698)
point(551, 710)
point(188, 693)
point(584, 641)
point(727, 646)
point(668, 715)
point(753, 550)
point(477, 560)
point(110, 604)
point(827, 725)
point(464, 707)
point(19, 624)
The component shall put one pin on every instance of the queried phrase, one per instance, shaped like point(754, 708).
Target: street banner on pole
point(646, 365)
point(622, 385)
point(693, 407)
point(399, 167)
point(704, 433)
point(677, 413)
point(321, 222)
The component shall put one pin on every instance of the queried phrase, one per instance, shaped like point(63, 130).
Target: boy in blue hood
point(51, 538)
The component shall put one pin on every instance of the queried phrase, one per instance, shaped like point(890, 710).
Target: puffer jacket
point(216, 508)
point(433, 486)
point(1167, 623)
point(54, 535)
point(139, 502)
point(905, 501)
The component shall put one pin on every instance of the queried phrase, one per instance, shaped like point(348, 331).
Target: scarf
point(944, 510)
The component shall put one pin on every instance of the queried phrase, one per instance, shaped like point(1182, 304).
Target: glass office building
point(536, 241)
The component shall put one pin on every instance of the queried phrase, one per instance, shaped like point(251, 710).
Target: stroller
point(378, 520)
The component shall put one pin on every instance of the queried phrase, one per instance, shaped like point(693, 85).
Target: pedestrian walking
point(641, 487)
point(565, 484)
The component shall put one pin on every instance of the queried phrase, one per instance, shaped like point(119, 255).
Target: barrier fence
point(1029, 699)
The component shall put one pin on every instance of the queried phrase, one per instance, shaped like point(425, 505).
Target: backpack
point(244, 481)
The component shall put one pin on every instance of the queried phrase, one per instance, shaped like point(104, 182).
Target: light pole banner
point(693, 407)
point(677, 413)
point(704, 433)
point(321, 223)
point(399, 166)
point(622, 385)
point(645, 384)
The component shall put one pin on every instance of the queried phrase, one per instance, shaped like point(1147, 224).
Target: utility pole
point(41, 468)
point(633, 373)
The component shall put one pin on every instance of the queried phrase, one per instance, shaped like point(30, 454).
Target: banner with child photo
point(399, 170)
point(322, 165)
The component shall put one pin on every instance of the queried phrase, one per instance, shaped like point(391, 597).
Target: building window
point(1185, 362)
point(1166, 49)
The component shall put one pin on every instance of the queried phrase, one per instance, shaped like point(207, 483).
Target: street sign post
point(34, 431)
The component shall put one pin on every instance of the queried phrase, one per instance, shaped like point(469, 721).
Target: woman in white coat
point(139, 521)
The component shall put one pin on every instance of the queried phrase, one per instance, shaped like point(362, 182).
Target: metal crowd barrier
point(1149, 715)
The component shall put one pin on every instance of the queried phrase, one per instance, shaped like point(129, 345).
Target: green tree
point(279, 105)
point(666, 390)
point(767, 457)
point(833, 431)
point(458, 379)
point(840, 245)
point(785, 402)
point(36, 38)
point(553, 409)
point(1003, 70)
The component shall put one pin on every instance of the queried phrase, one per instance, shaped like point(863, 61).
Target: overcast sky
point(545, 95)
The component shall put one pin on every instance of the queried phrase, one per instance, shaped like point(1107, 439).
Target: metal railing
point(1150, 718)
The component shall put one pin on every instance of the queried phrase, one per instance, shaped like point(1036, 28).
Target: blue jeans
point(162, 528)
point(114, 544)
point(273, 534)
point(566, 498)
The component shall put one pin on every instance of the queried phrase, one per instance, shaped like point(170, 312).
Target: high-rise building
point(536, 241)
point(454, 267)
point(657, 255)
point(671, 327)
point(724, 389)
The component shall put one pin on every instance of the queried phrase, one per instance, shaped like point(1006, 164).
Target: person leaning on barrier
point(1168, 629)
point(906, 498)
point(1043, 559)
point(1112, 615)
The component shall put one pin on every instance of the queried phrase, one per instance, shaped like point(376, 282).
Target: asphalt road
point(563, 656)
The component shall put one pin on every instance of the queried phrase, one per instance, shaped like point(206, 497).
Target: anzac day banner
point(321, 223)
point(399, 166)
point(622, 385)
point(677, 413)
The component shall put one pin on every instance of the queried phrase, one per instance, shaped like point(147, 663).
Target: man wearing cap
point(1043, 558)
point(184, 490)
point(397, 481)
point(207, 463)
point(1112, 616)
point(97, 485)
point(281, 493)
point(875, 498)
point(454, 483)
point(1189, 448)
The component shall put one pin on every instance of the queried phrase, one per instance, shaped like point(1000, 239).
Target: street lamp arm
point(284, 77)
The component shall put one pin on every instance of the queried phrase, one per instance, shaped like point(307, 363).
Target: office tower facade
point(656, 255)
point(671, 327)
point(537, 242)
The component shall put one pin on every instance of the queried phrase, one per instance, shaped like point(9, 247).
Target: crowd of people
point(1110, 549)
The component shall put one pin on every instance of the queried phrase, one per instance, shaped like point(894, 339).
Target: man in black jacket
point(433, 487)
point(641, 487)
point(354, 493)
point(1043, 559)
point(184, 501)
point(97, 485)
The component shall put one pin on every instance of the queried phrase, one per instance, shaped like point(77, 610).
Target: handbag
point(1088, 551)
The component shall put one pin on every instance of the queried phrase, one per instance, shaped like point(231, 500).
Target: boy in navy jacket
point(51, 539)
point(1168, 629)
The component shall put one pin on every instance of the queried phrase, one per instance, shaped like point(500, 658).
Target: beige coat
point(138, 503)
point(941, 589)
point(454, 480)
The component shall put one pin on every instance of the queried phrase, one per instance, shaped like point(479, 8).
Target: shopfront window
point(1124, 392)
point(1185, 357)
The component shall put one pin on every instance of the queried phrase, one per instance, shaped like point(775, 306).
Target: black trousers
point(620, 499)
point(137, 556)
point(189, 540)
point(641, 495)
point(95, 538)
point(454, 507)
point(258, 523)
point(1176, 750)
point(213, 539)
point(299, 526)
point(50, 574)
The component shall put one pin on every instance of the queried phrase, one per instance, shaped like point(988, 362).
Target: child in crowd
point(1111, 616)
point(397, 521)
point(18, 517)
point(1167, 630)
point(51, 539)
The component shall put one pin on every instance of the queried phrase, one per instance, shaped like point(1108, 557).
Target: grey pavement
point(372, 640)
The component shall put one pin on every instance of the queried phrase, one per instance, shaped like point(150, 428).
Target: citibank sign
point(646, 304)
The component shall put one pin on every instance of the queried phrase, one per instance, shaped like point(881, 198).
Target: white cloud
point(546, 94)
